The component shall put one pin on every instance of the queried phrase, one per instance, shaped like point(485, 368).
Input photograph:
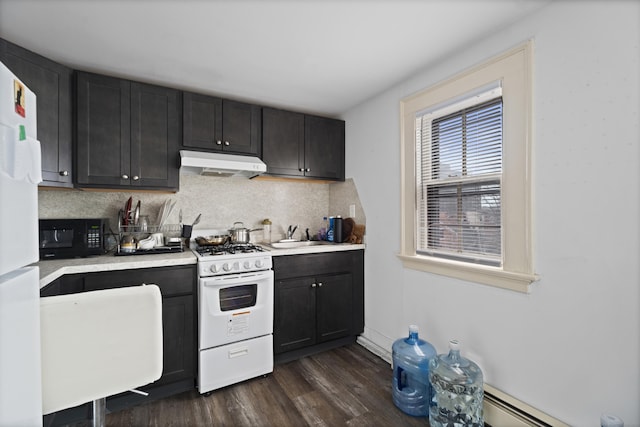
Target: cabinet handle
point(313, 285)
point(64, 173)
point(301, 170)
point(135, 177)
point(227, 143)
point(125, 176)
point(218, 142)
point(320, 284)
point(307, 170)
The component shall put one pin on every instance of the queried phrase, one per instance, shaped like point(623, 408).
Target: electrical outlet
point(352, 210)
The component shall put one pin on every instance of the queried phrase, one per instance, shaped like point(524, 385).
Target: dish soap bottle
point(266, 231)
point(458, 390)
point(411, 390)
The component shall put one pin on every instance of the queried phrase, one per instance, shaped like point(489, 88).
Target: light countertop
point(50, 270)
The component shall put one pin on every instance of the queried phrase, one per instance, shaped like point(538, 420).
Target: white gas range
point(235, 313)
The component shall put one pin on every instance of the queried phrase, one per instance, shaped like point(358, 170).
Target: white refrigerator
point(20, 173)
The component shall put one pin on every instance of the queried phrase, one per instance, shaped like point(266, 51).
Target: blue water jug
point(411, 390)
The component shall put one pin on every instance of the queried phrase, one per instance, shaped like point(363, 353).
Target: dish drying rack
point(172, 235)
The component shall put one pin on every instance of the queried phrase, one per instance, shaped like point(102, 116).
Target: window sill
point(491, 276)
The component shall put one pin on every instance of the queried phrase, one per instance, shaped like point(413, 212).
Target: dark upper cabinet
point(127, 134)
point(298, 145)
point(283, 142)
point(52, 84)
point(216, 124)
point(324, 148)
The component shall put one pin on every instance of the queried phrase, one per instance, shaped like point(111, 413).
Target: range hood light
point(217, 164)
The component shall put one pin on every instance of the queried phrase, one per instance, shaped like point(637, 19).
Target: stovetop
point(227, 249)
point(231, 258)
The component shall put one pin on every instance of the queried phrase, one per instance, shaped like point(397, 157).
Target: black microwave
point(70, 238)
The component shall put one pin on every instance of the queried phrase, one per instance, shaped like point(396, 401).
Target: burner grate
point(229, 249)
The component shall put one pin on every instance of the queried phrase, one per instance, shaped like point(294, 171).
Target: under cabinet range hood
point(217, 164)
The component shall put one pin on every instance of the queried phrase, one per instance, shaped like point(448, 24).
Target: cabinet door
point(178, 336)
point(295, 314)
point(51, 82)
point(283, 142)
point(202, 121)
point(324, 148)
point(103, 129)
point(334, 306)
point(241, 127)
point(155, 133)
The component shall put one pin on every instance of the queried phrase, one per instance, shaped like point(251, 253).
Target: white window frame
point(513, 70)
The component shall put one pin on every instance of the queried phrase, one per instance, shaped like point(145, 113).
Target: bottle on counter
point(330, 230)
point(411, 390)
point(266, 230)
point(322, 233)
point(458, 390)
point(337, 229)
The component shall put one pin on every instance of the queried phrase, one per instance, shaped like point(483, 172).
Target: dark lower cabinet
point(179, 324)
point(319, 302)
point(52, 84)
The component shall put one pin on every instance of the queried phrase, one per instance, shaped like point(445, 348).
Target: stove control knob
point(226, 266)
point(236, 265)
point(214, 268)
point(247, 265)
point(259, 263)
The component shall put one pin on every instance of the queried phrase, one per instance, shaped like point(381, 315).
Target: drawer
point(170, 280)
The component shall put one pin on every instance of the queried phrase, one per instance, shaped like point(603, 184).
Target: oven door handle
point(235, 279)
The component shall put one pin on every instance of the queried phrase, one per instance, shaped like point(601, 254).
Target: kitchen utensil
point(180, 217)
point(240, 234)
point(186, 231)
point(143, 223)
point(197, 220)
point(213, 240)
point(158, 239)
point(172, 241)
point(127, 211)
point(146, 244)
point(136, 214)
point(165, 212)
point(128, 243)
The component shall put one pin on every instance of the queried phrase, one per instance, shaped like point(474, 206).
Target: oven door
point(235, 307)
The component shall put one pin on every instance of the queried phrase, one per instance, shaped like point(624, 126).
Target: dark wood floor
point(348, 386)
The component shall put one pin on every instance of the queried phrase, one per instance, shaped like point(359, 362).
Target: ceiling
point(316, 56)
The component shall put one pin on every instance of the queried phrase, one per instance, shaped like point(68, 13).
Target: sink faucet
point(290, 231)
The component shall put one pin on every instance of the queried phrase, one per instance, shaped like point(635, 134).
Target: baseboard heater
point(500, 409)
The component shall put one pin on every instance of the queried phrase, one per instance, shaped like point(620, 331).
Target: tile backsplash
point(222, 201)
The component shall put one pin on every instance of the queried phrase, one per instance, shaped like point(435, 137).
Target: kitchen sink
point(297, 244)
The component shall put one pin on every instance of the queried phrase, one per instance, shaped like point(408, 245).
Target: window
point(466, 197)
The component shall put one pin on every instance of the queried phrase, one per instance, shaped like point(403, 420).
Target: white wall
point(571, 347)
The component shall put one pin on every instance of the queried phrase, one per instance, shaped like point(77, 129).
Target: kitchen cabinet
point(319, 302)
point(215, 124)
point(128, 134)
point(324, 148)
point(52, 84)
point(299, 145)
point(178, 288)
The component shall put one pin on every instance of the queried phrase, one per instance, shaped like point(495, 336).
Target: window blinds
point(459, 174)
